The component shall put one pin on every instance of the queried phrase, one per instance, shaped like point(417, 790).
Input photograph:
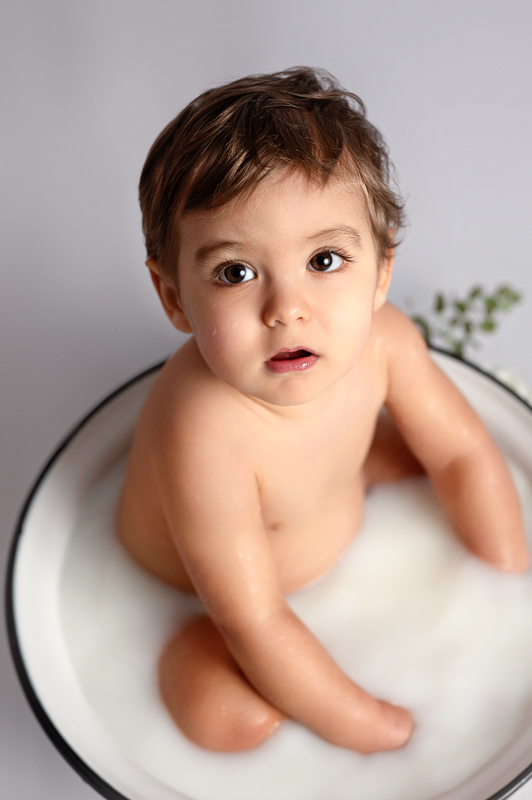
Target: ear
point(383, 281)
point(169, 297)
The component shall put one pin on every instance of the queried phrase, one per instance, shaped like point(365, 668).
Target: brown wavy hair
point(231, 137)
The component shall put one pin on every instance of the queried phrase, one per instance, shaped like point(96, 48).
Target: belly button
point(275, 526)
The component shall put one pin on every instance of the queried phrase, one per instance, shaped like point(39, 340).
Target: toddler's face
point(279, 288)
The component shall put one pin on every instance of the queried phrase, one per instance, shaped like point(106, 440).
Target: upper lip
point(292, 350)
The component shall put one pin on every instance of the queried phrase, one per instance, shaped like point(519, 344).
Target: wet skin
point(247, 473)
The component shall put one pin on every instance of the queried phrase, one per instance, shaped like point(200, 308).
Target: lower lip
point(292, 364)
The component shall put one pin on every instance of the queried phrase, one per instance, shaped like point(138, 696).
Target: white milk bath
point(407, 613)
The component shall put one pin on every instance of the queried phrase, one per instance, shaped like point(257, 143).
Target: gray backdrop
point(84, 90)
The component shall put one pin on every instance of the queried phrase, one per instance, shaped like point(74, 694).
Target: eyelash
point(349, 259)
point(339, 253)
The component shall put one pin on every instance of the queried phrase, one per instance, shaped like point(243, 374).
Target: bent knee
point(221, 717)
point(225, 731)
point(207, 695)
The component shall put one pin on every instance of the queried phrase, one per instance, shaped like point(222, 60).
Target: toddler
point(270, 224)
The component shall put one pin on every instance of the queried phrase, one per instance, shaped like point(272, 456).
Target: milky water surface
point(407, 613)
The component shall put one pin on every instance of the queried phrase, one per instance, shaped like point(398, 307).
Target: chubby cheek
point(224, 340)
point(350, 328)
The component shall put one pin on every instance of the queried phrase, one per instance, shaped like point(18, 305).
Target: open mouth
point(291, 354)
point(287, 360)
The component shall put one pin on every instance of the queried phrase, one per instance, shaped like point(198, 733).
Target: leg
point(207, 695)
point(389, 458)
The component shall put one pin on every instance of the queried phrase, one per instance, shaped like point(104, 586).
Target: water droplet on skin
point(234, 324)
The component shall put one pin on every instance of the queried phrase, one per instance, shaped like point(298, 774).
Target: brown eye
point(325, 262)
point(236, 273)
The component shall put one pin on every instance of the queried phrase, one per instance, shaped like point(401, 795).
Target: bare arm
point(467, 469)
point(212, 500)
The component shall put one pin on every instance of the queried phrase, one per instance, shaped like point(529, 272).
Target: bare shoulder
point(190, 422)
point(432, 415)
point(397, 334)
point(187, 400)
point(410, 367)
point(401, 347)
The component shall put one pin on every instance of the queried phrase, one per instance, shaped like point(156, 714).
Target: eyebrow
point(211, 248)
point(203, 253)
point(343, 230)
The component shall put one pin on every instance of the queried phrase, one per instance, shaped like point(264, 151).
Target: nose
point(285, 303)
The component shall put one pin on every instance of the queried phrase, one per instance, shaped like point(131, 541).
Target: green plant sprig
point(455, 323)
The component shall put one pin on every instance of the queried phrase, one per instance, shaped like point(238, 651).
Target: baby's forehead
point(289, 206)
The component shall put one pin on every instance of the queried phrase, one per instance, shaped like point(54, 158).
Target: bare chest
point(312, 473)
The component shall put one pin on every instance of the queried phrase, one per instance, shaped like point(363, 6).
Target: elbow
point(516, 563)
point(513, 559)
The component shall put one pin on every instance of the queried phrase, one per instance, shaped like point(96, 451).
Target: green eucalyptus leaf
point(488, 325)
point(458, 349)
point(424, 327)
point(454, 322)
point(439, 303)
